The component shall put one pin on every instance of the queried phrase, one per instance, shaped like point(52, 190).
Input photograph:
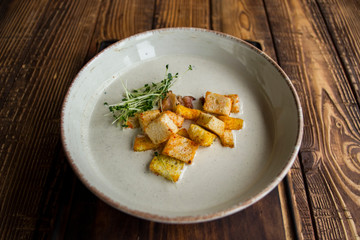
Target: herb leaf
point(141, 99)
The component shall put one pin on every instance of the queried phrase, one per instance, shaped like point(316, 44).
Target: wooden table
point(43, 44)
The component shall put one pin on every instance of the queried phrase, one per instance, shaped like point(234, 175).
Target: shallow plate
point(221, 180)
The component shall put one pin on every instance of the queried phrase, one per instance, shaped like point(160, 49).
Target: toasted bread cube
point(177, 119)
point(160, 129)
point(227, 139)
point(232, 123)
point(187, 113)
point(200, 135)
point(143, 143)
point(146, 117)
point(168, 167)
point(217, 104)
point(133, 122)
point(183, 132)
point(211, 123)
point(235, 102)
point(180, 148)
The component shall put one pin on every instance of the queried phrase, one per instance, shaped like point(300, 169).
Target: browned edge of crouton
point(143, 143)
point(232, 123)
point(177, 119)
point(180, 148)
point(235, 102)
point(227, 139)
point(187, 113)
point(201, 136)
point(217, 104)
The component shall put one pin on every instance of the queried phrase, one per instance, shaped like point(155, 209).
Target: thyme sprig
point(142, 99)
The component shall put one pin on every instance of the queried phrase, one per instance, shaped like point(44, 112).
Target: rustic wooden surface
point(44, 43)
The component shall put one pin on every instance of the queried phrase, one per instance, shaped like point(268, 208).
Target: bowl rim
point(196, 218)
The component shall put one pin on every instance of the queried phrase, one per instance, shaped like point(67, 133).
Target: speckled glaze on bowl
point(221, 181)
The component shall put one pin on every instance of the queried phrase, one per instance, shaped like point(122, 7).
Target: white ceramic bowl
point(221, 181)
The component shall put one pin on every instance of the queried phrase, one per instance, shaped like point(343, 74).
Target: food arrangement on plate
point(220, 180)
point(160, 114)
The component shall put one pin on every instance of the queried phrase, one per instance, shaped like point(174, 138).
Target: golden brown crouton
point(133, 122)
point(200, 135)
point(183, 132)
point(180, 148)
point(143, 143)
point(227, 139)
point(160, 129)
point(187, 113)
point(168, 167)
point(232, 123)
point(211, 123)
point(177, 119)
point(217, 104)
point(235, 102)
point(146, 117)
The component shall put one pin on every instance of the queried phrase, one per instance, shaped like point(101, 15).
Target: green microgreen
point(142, 99)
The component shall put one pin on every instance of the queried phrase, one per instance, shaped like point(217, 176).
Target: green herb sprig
point(142, 99)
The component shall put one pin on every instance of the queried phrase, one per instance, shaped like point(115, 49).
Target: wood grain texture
point(342, 20)
point(299, 200)
point(244, 19)
point(182, 13)
point(42, 45)
point(330, 149)
point(104, 222)
point(121, 19)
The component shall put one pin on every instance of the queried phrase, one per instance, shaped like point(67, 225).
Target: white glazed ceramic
point(221, 181)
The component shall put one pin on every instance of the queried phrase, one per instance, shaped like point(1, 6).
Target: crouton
point(211, 123)
point(133, 122)
point(227, 139)
point(146, 117)
point(160, 129)
point(187, 113)
point(217, 104)
point(183, 132)
point(168, 167)
point(143, 143)
point(200, 135)
point(235, 102)
point(180, 148)
point(177, 119)
point(232, 123)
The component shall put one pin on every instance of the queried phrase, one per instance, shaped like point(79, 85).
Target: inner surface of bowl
point(221, 180)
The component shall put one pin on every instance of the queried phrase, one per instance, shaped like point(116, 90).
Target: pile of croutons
point(176, 146)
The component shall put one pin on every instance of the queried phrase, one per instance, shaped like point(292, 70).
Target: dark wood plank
point(329, 153)
point(299, 201)
point(94, 219)
point(182, 13)
point(43, 44)
point(121, 19)
point(243, 19)
point(342, 20)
